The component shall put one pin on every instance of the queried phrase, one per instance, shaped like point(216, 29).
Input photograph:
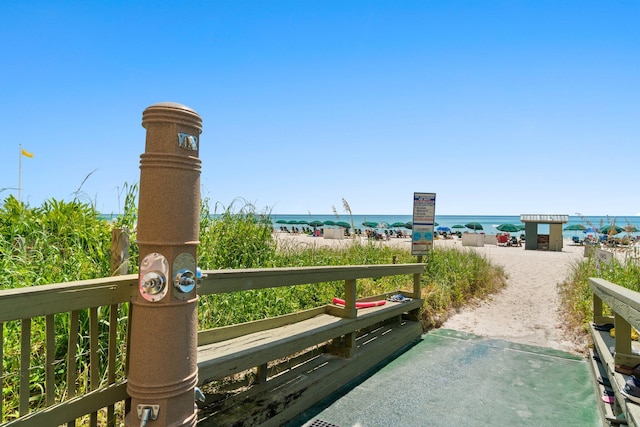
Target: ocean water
point(489, 222)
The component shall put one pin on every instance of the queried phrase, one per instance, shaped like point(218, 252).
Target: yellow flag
point(26, 153)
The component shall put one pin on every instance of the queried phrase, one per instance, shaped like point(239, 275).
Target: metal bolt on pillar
point(163, 370)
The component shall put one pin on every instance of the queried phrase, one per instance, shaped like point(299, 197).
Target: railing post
point(623, 338)
point(163, 368)
point(120, 251)
point(346, 344)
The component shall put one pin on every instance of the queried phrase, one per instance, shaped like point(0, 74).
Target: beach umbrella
point(302, 221)
point(409, 225)
point(575, 227)
point(474, 226)
point(329, 222)
point(611, 229)
point(343, 224)
point(316, 223)
point(370, 224)
point(435, 224)
point(397, 224)
point(508, 228)
point(444, 229)
point(457, 226)
point(630, 229)
point(281, 221)
point(589, 230)
point(521, 227)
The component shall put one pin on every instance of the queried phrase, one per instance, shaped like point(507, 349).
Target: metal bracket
point(154, 270)
point(155, 411)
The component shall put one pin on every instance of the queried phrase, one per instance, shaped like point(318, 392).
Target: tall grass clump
point(55, 243)
point(452, 278)
point(577, 297)
point(236, 237)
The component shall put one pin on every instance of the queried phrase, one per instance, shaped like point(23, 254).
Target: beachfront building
point(545, 242)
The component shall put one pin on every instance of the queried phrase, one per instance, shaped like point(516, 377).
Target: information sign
point(424, 214)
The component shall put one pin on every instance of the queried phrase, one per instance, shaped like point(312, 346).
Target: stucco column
point(163, 368)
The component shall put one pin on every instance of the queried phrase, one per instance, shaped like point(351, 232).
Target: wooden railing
point(615, 351)
point(76, 372)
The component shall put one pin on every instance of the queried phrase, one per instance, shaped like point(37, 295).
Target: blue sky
point(499, 107)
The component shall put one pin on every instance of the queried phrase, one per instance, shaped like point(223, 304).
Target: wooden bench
point(625, 307)
point(225, 351)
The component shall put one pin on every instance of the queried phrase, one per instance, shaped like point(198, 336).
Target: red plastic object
point(363, 304)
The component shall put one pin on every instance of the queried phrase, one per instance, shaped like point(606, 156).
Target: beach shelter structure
point(546, 242)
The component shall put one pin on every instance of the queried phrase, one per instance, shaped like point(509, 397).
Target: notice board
point(424, 214)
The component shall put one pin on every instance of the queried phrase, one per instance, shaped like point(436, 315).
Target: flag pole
point(20, 173)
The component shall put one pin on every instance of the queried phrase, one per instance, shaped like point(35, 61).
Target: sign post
point(424, 213)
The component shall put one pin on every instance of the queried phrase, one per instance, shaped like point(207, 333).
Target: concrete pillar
point(163, 368)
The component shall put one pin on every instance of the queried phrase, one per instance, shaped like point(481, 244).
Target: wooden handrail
point(21, 303)
point(621, 300)
point(224, 281)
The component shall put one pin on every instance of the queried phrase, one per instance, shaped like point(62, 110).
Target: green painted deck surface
point(452, 378)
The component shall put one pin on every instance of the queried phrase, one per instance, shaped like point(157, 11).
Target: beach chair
point(503, 240)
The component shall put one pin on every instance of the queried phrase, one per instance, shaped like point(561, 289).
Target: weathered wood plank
point(224, 281)
point(25, 366)
point(111, 358)
point(210, 336)
point(72, 409)
point(94, 361)
point(50, 359)
point(72, 346)
point(63, 297)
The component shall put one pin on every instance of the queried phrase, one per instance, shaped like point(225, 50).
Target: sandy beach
point(526, 311)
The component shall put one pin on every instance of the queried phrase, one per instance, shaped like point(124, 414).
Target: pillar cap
point(174, 105)
point(172, 112)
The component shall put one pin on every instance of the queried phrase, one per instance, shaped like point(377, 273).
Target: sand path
point(526, 311)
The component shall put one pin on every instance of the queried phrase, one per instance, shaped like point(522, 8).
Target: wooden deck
point(625, 307)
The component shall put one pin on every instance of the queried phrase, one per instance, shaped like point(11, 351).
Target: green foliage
point(239, 238)
point(577, 298)
point(58, 242)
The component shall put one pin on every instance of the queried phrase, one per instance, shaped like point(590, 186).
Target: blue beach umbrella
point(444, 229)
